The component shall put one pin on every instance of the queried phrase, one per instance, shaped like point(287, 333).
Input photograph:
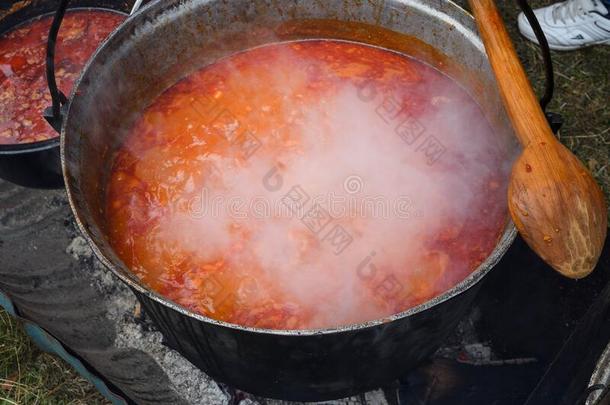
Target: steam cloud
point(403, 129)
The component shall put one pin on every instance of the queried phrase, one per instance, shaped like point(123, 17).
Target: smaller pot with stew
point(29, 146)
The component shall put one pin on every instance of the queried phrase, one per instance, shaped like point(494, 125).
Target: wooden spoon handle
point(528, 120)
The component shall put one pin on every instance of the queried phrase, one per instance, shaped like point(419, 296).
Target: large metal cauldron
point(171, 38)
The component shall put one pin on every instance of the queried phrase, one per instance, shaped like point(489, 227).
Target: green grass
point(28, 376)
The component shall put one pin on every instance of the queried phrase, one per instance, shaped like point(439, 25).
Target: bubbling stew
point(308, 184)
point(23, 86)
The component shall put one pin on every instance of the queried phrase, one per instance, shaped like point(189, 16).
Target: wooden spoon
point(554, 201)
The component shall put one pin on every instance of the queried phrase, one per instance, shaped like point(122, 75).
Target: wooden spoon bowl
point(558, 208)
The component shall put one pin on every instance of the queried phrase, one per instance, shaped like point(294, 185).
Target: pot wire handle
point(549, 84)
point(555, 120)
point(54, 114)
point(136, 6)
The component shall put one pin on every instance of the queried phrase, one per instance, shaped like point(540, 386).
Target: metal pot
point(37, 164)
point(172, 38)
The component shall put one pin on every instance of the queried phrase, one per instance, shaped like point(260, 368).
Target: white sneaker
point(571, 24)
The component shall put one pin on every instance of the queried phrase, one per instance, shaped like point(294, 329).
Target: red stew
point(224, 194)
point(23, 87)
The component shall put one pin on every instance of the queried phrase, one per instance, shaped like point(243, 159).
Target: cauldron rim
point(25, 147)
point(505, 240)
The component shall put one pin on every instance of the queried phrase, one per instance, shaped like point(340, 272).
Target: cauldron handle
point(136, 7)
point(55, 114)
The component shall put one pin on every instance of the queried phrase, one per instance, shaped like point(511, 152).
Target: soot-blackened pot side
point(310, 367)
